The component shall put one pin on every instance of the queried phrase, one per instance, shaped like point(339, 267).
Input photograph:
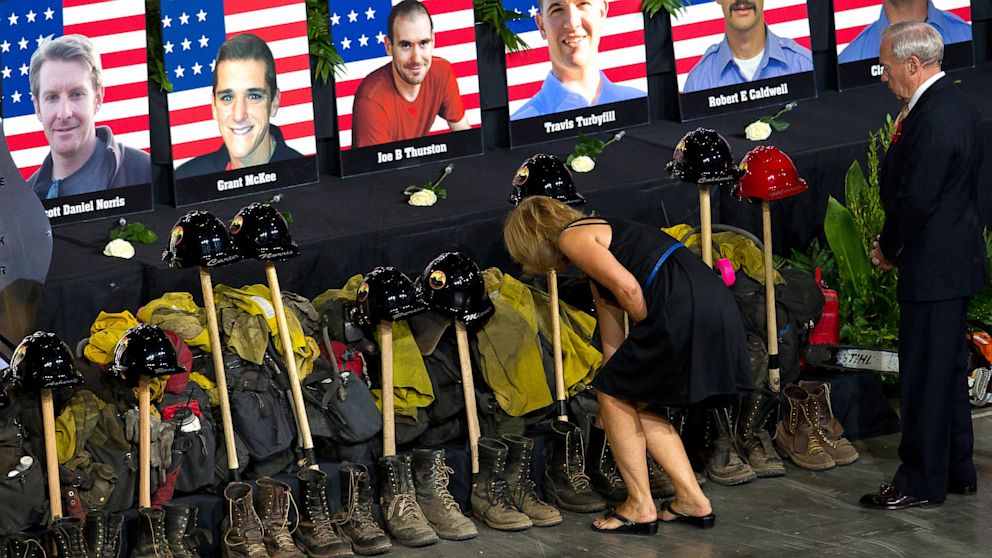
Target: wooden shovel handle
point(206, 285)
point(556, 346)
point(302, 421)
point(468, 387)
point(51, 455)
point(388, 401)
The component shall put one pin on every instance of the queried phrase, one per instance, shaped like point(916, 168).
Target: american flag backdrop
point(701, 25)
point(621, 50)
point(851, 16)
point(193, 30)
point(358, 29)
point(117, 30)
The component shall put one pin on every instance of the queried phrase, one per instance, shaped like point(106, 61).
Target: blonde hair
point(531, 233)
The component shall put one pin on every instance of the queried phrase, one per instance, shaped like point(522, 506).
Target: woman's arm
point(611, 330)
point(587, 249)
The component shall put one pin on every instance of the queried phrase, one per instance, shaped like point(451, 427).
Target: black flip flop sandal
point(702, 521)
point(628, 527)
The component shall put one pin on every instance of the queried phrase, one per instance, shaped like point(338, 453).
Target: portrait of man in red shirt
point(402, 99)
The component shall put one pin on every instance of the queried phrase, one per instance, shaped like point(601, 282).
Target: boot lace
point(284, 535)
point(524, 484)
point(252, 536)
point(752, 427)
point(160, 544)
point(404, 505)
point(499, 489)
point(323, 533)
point(577, 476)
point(822, 435)
point(727, 441)
point(28, 544)
point(612, 474)
point(360, 515)
point(813, 444)
point(441, 482)
point(529, 489)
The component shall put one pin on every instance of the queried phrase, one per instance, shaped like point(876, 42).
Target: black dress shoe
point(889, 497)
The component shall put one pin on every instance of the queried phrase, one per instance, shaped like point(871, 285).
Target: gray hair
point(915, 38)
point(76, 48)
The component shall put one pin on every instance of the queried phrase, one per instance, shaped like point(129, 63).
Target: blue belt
point(661, 260)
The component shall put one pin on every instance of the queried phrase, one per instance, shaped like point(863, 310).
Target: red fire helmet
point(768, 174)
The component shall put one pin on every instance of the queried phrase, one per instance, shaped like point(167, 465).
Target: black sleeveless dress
point(691, 347)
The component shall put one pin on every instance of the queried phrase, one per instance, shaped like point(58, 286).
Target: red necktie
point(899, 119)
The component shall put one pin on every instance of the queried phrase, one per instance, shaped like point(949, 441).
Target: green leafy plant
point(153, 47)
point(132, 232)
point(328, 61)
point(493, 13)
point(673, 7)
point(434, 186)
point(591, 147)
point(774, 121)
point(869, 311)
point(815, 256)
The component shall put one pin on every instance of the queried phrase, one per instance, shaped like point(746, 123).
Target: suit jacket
point(928, 184)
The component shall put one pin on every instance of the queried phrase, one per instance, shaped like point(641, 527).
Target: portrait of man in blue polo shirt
point(573, 29)
point(749, 51)
point(952, 28)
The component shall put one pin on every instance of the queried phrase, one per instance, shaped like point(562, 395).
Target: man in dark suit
point(933, 233)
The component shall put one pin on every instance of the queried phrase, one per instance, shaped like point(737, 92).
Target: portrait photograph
point(75, 104)
point(409, 90)
point(241, 111)
point(583, 70)
point(740, 54)
point(859, 25)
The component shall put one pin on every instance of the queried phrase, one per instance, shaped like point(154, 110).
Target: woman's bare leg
point(623, 429)
point(665, 445)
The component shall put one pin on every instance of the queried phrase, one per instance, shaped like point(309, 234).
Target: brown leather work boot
point(404, 519)
point(273, 505)
point(243, 536)
point(430, 478)
point(523, 490)
point(752, 436)
point(829, 429)
point(67, 537)
point(315, 534)
point(565, 480)
point(359, 526)
point(152, 540)
point(491, 499)
point(724, 464)
point(795, 437)
point(177, 520)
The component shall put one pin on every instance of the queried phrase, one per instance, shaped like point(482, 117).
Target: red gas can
point(827, 329)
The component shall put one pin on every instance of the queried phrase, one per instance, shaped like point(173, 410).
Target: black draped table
point(348, 226)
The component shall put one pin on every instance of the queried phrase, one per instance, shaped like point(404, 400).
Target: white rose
point(758, 130)
point(583, 163)
point(119, 248)
point(423, 198)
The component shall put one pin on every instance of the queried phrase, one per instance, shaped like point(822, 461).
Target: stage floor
point(803, 513)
